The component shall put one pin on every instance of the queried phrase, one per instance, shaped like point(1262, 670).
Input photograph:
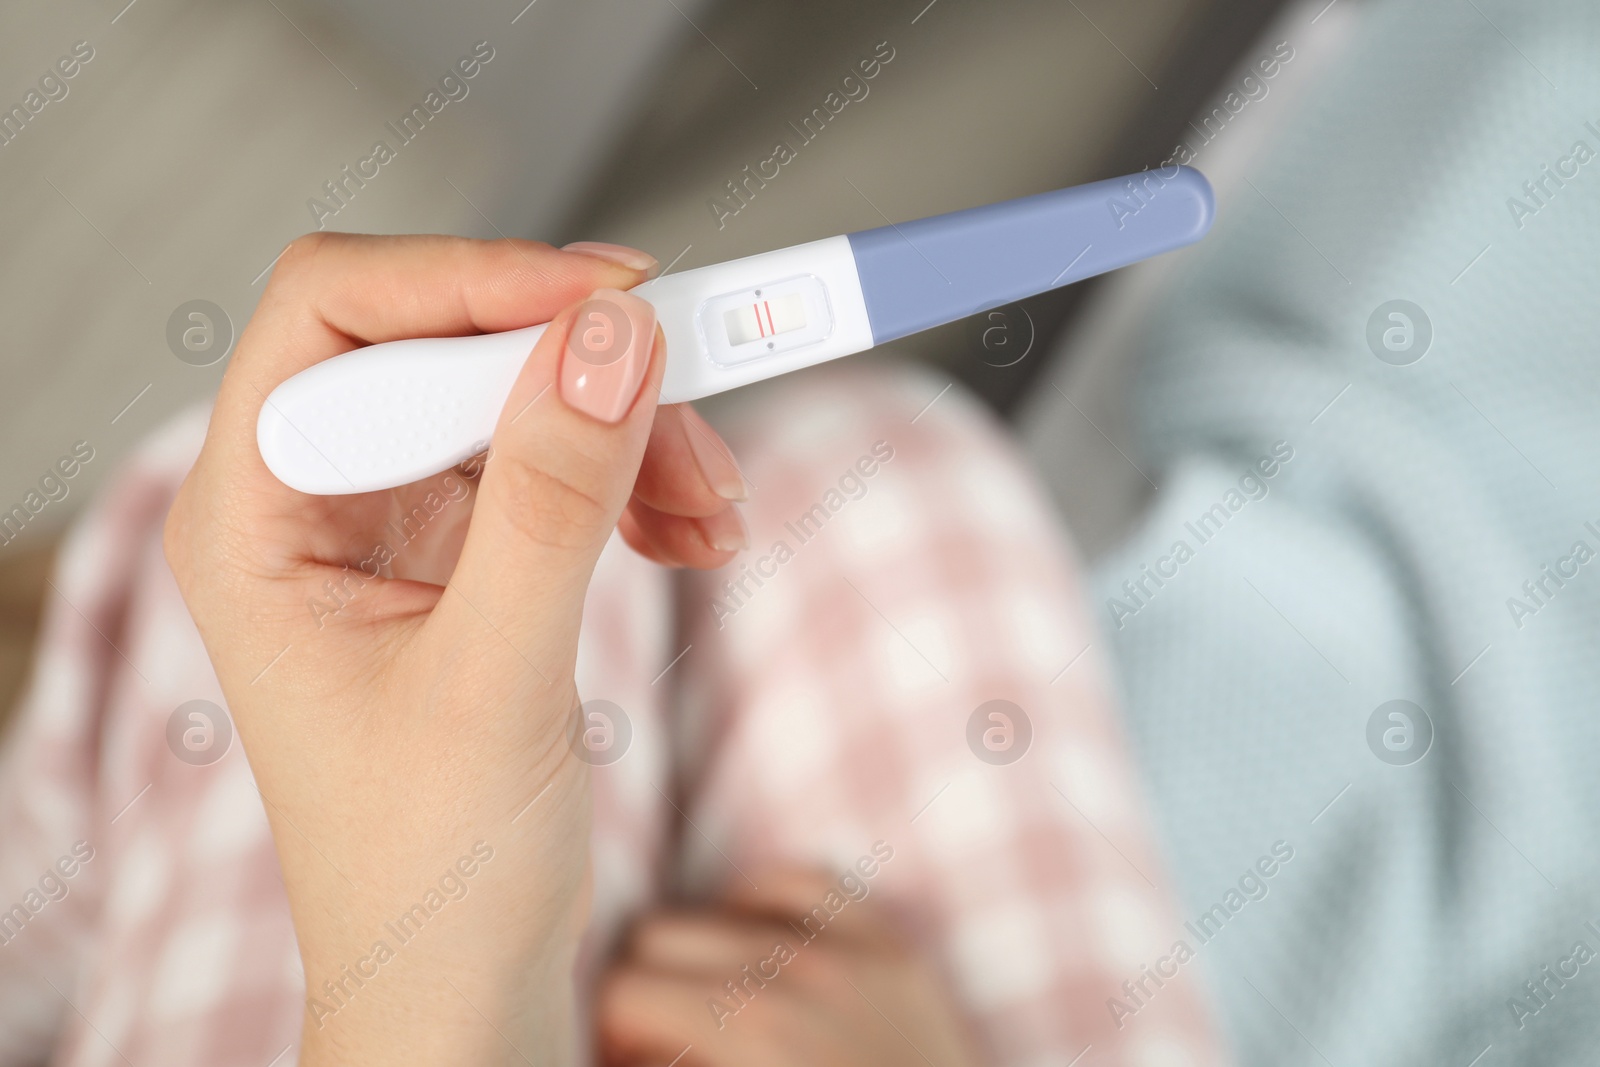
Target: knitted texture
point(1386, 555)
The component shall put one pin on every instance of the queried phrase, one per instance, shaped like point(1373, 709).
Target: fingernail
point(716, 465)
point(725, 531)
point(607, 354)
point(631, 258)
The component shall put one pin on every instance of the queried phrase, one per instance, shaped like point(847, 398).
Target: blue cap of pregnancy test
point(921, 274)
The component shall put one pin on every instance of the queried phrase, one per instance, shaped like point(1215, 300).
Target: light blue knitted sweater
point(1434, 538)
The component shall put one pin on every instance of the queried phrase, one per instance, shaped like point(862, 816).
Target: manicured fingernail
point(607, 354)
point(631, 258)
point(716, 465)
point(725, 531)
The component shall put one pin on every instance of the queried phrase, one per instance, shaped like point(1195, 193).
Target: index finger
point(333, 292)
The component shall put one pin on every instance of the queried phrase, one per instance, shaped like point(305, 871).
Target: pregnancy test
point(399, 411)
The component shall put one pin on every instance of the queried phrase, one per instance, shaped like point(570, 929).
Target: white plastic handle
point(391, 413)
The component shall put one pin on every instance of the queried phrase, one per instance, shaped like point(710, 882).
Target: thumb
point(560, 470)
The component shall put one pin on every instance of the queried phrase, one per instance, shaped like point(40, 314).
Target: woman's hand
point(399, 665)
point(775, 979)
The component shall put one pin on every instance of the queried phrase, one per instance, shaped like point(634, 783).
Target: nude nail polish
point(631, 258)
point(716, 465)
point(725, 531)
point(607, 354)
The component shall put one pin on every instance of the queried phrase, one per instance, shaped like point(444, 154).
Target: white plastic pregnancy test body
point(400, 411)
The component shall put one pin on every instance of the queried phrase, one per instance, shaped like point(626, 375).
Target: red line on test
point(770, 323)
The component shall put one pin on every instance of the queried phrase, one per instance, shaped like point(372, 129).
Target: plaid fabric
point(799, 705)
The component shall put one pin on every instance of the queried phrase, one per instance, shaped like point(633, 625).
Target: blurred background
point(201, 137)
